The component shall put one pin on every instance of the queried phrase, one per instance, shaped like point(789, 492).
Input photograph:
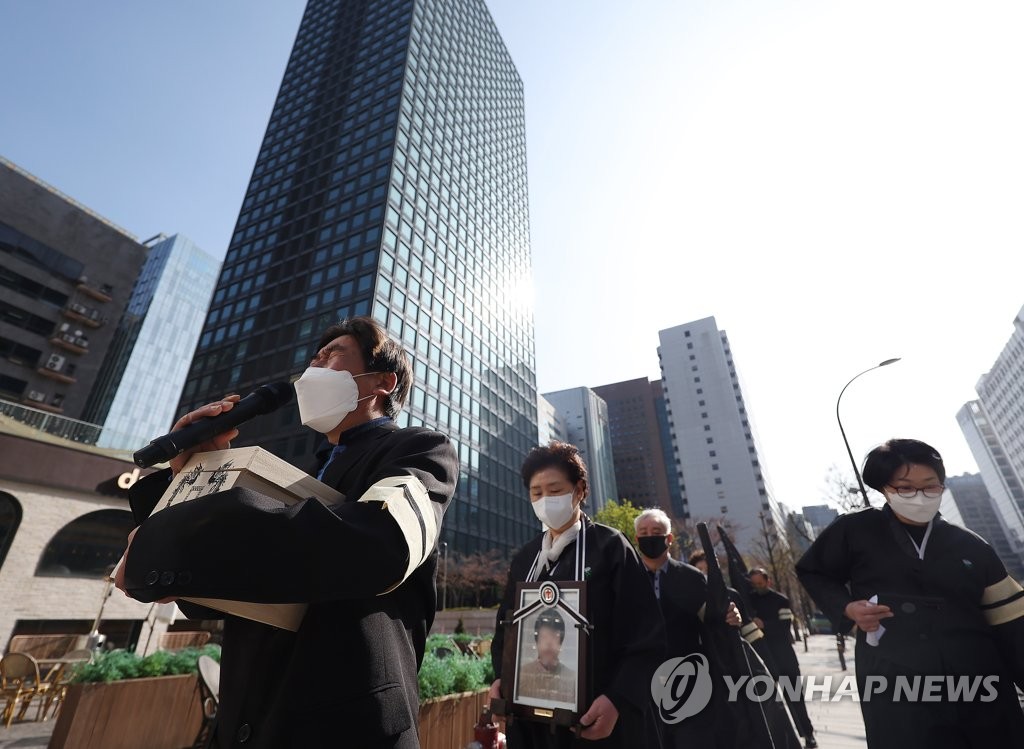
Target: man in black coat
point(682, 593)
point(774, 616)
point(366, 567)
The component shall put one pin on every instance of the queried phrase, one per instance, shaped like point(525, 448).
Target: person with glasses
point(940, 624)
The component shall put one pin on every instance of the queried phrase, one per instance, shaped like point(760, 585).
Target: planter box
point(447, 722)
point(156, 713)
point(164, 713)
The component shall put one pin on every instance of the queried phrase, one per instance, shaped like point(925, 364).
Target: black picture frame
point(532, 689)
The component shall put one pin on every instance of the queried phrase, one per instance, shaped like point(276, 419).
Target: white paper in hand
point(873, 637)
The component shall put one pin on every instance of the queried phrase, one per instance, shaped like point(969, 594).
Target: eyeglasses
point(909, 492)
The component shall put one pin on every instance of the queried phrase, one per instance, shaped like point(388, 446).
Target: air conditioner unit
point(55, 362)
point(35, 395)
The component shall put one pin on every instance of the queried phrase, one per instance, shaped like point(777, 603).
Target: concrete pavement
point(837, 724)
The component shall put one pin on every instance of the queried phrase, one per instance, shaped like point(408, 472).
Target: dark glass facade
point(392, 182)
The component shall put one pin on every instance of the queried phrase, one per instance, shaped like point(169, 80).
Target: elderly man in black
point(682, 595)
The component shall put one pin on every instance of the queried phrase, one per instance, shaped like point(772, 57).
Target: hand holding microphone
point(213, 426)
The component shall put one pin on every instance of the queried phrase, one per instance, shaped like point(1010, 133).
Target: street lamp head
point(887, 362)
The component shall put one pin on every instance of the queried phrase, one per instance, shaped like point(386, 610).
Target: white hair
point(657, 514)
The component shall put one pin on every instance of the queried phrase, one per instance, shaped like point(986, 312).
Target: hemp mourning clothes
point(348, 677)
point(956, 613)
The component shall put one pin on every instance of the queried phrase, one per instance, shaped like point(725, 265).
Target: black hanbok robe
point(956, 613)
point(628, 637)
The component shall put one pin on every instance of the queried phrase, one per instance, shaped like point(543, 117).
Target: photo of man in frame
point(546, 680)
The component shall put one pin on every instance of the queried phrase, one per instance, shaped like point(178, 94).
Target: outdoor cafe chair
point(20, 683)
point(208, 684)
point(59, 678)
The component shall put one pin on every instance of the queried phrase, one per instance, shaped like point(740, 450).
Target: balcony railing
point(82, 432)
point(68, 342)
point(102, 294)
point(53, 374)
point(85, 315)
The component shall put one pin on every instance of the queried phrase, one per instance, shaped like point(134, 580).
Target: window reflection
point(88, 546)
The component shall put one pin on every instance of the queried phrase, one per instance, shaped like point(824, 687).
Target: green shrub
point(436, 677)
point(115, 665)
point(453, 673)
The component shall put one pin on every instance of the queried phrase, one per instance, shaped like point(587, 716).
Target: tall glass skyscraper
point(392, 182)
point(138, 387)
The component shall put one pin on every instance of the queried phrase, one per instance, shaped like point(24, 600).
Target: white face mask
point(554, 512)
point(919, 508)
point(326, 397)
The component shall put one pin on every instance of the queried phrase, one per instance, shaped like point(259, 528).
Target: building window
point(88, 546)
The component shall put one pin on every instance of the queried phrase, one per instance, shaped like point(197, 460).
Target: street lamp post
point(856, 471)
point(444, 583)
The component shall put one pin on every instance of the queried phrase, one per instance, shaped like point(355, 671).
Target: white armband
point(418, 517)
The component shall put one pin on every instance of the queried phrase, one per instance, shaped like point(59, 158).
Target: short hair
point(759, 571)
point(698, 556)
point(657, 514)
point(381, 353)
point(552, 619)
point(555, 454)
point(882, 463)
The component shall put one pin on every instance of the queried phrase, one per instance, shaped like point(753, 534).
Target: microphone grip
point(171, 445)
point(262, 400)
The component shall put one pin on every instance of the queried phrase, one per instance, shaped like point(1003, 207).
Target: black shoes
point(810, 742)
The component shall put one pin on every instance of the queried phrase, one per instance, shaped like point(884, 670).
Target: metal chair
point(19, 683)
point(59, 679)
point(208, 684)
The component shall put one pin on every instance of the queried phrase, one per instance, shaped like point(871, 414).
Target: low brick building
point(64, 519)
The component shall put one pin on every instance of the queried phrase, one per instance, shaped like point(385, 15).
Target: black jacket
point(773, 609)
point(348, 676)
point(684, 592)
point(956, 613)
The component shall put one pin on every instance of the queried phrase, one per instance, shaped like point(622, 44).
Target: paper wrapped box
point(256, 469)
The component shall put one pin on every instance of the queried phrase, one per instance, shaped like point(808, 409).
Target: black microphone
point(262, 400)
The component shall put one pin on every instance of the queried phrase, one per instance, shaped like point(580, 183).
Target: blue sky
point(837, 183)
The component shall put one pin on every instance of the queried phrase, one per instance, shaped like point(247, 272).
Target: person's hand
point(759, 622)
point(221, 441)
point(119, 575)
point(732, 615)
point(495, 691)
point(866, 615)
point(599, 721)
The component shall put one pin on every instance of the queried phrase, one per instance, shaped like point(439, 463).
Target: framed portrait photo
point(546, 653)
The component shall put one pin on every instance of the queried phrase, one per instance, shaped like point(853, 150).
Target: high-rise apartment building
point(639, 457)
point(585, 416)
point(138, 387)
point(1002, 482)
point(1001, 393)
point(978, 513)
point(392, 182)
point(715, 452)
point(67, 274)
